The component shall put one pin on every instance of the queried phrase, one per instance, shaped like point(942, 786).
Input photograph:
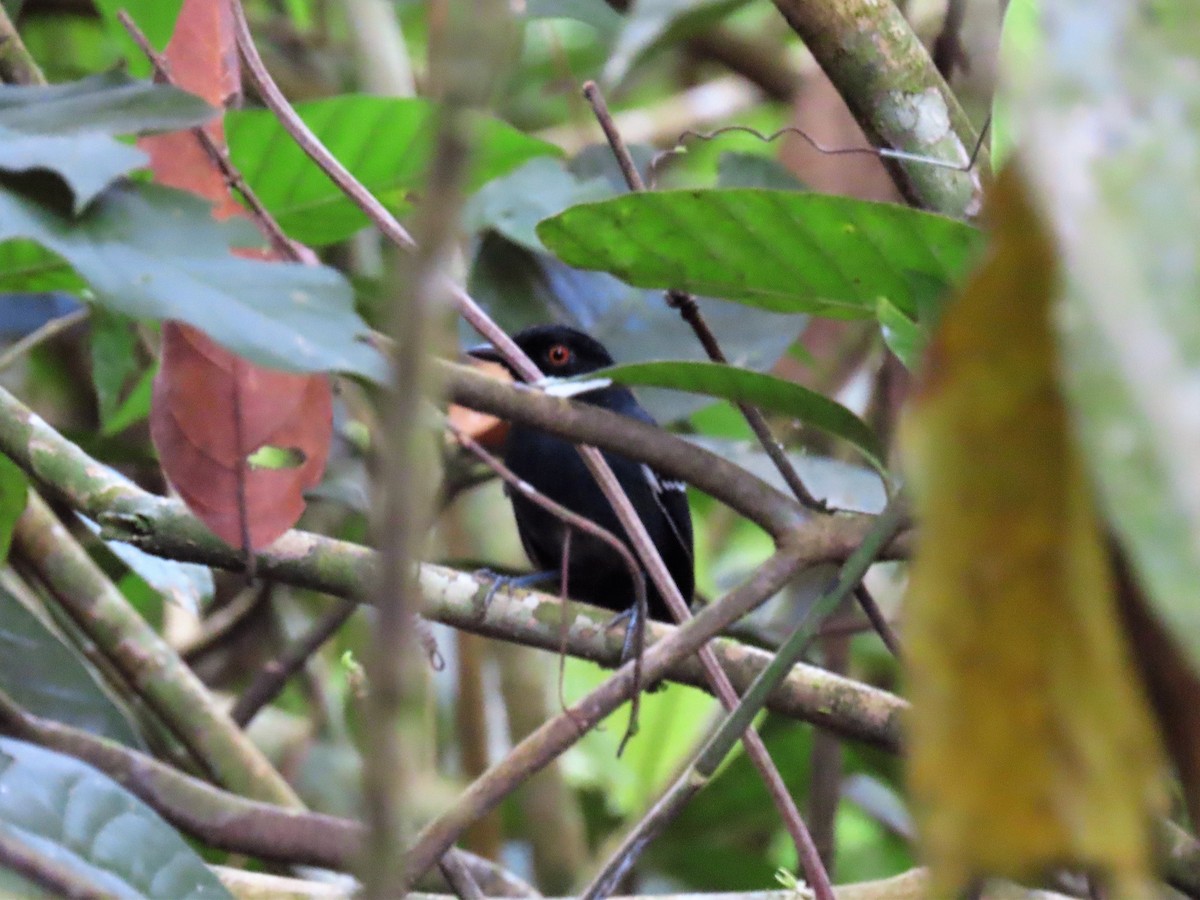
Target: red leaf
point(211, 409)
point(203, 443)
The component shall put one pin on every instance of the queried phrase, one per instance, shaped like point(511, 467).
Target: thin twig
point(718, 746)
point(689, 310)
point(277, 672)
point(575, 521)
point(41, 334)
point(776, 787)
point(459, 877)
point(46, 868)
point(17, 65)
point(550, 740)
point(878, 620)
point(280, 242)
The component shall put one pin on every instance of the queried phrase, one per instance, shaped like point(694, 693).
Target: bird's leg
point(508, 582)
point(630, 618)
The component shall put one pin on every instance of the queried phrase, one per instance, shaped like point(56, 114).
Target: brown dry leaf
point(1032, 742)
point(482, 427)
point(211, 409)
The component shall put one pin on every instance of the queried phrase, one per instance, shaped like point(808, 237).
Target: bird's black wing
point(671, 498)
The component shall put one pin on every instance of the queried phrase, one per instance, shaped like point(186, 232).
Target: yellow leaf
point(1032, 744)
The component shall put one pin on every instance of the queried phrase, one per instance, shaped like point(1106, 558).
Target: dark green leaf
point(14, 488)
point(115, 362)
point(778, 250)
point(765, 391)
point(89, 825)
point(45, 675)
point(386, 142)
point(150, 252)
point(753, 170)
point(652, 22)
point(513, 204)
point(69, 129)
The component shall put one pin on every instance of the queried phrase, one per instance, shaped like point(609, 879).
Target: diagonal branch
point(883, 72)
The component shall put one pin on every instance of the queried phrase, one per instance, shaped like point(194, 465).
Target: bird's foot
point(508, 582)
point(630, 618)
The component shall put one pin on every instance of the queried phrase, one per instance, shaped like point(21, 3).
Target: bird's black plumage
point(595, 573)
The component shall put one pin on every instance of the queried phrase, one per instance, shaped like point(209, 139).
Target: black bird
point(595, 573)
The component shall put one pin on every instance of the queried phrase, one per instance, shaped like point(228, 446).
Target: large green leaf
point(778, 250)
point(386, 142)
point(765, 391)
point(1110, 138)
point(68, 129)
point(27, 267)
point(46, 676)
point(151, 252)
point(83, 822)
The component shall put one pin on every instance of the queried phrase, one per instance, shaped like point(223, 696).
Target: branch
point(717, 747)
point(219, 818)
point(555, 736)
point(17, 66)
point(143, 658)
point(883, 72)
point(669, 455)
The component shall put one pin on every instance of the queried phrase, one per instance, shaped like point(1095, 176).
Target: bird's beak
point(485, 352)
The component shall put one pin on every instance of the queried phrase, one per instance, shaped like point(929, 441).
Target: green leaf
point(764, 391)
point(754, 170)
point(155, 18)
point(386, 142)
point(14, 488)
point(902, 335)
point(778, 250)
point(115, 363)
point(151, 252)
point(83, 821)
point(69, 129)
point(513, 204)
point(46, 675)
point(27, 267)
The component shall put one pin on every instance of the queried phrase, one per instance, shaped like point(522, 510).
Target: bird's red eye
point(559, 355)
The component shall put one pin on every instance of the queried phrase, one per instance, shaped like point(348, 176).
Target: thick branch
point(165, 528)
point(219, 818)
point(883, 72)
point(758, 501)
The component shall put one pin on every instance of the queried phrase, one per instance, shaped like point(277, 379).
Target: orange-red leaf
point(211, 409)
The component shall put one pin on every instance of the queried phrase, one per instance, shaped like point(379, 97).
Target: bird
point(552, 465)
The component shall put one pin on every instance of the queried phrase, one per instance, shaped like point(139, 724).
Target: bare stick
point(723, 739)
point(276, 673)
point(282, 244)
point(806, 850)
point(877, 619)
point(40, 335)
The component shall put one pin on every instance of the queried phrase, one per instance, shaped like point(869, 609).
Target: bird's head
point(558, 350)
